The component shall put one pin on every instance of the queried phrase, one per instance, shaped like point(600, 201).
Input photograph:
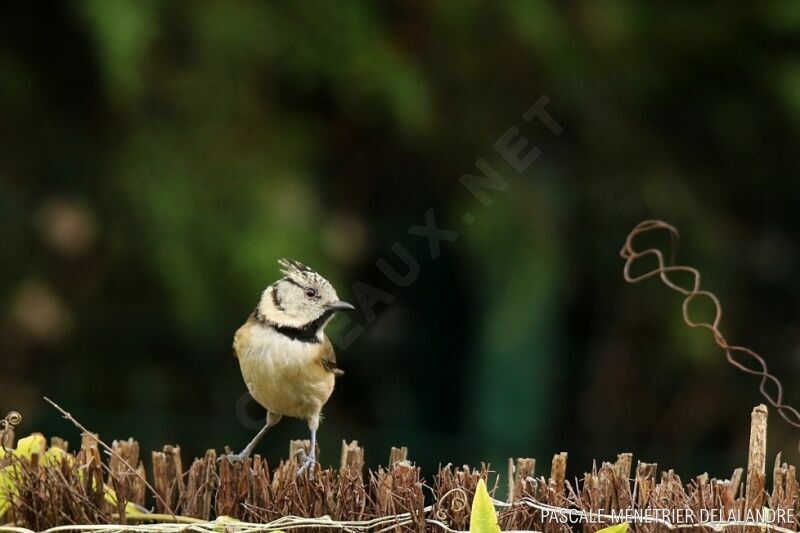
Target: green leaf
point(7, 486)
point(483, 518)
point(616, 528)
point(9, 475)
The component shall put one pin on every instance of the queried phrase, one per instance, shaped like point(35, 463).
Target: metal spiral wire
point(11, 420)
point(743, 358)
point(7, 424)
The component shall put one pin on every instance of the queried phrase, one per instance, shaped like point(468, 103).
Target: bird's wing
point(328, 358)
point(242, 336)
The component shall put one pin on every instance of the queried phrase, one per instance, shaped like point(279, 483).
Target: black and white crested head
point(300, 273)
point(301, 303)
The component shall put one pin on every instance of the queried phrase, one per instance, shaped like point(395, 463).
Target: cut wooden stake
point(784, 493)
point(59, 443)
point(398, 489)
point(736, 482)
point(121, 466)
point(757, 459)
point(558, 473)
point(727, 500)
point(510, 480)
point(645, 483)
point(230, 480)
point(160, 481)
point(89, 448)
point(622, 480)
point(89, 441)
point(260, 495)
point(352, 456)
point(139, 489)
point(555, 487)
point(518, 476)
point(200, 486)
point(168, 476)
point(623, 465)
point(126, 458)
point(398, 455)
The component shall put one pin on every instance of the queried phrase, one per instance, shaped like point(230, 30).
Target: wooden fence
point(75, 490)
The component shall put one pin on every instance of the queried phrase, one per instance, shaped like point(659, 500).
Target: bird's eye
point(311, 292)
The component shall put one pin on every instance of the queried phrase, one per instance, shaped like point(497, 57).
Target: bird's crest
point(297, 271)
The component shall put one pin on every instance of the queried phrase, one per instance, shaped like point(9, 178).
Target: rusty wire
point(741, 357)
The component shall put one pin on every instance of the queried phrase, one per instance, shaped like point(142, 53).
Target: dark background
point(156, 158)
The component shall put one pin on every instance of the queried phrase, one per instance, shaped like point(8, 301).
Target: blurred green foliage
point(156, 158)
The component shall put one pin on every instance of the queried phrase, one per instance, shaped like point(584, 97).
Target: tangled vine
point(743, 358)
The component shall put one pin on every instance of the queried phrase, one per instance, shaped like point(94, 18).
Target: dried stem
point(111, 451)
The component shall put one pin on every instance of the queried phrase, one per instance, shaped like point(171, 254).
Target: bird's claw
point(309, 462)
point(233, 457)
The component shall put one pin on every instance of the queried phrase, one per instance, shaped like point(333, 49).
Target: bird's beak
point(340, 306)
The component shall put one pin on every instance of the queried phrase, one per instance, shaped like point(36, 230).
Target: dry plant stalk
point(88, 436)
point(70, 492)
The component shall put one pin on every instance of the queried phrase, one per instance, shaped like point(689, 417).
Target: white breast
point(279, 373)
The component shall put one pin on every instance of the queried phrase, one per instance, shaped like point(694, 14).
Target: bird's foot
point(234, 457)
point(309, 463)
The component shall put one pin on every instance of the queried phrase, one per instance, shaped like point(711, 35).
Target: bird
point(287, 362)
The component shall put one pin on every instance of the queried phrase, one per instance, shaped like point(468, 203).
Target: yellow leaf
point(33, 444)
point(130, 508)
point(26, 448)
point(484, 517)
point(54, 456)
point(616, 528)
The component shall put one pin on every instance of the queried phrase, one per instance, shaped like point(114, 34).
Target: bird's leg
point(310, 460)
point(248, 450)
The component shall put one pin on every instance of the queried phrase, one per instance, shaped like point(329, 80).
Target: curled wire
point(460, 503)
point(740, 357)
point(11, 420)
point(7, 424)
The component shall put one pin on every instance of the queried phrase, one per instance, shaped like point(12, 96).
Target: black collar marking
point(305, 333)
